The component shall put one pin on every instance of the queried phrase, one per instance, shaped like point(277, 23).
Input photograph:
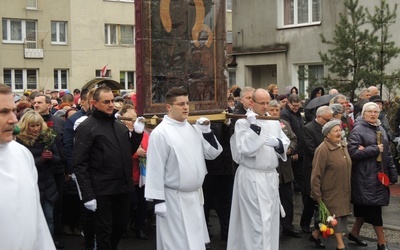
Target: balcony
point(31, 50)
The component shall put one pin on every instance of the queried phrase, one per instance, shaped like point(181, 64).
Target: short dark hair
point(96, 95)
point(175, 92)
point(294, 98)
point(47, 99)
point(5, 89)
point(84, 94)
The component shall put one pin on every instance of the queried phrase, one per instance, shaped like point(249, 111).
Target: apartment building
point(274, 40)
point(49, 44)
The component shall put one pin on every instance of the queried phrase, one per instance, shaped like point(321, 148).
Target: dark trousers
point(59, 178)
point(308, 212)
point(88, 227)
point(298, 172)
point(111, 219)
point(286, 196)
point(138, 211)
point(217, 190)
point(71, 210)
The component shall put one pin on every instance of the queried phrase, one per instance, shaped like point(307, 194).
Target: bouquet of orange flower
point(327, 221)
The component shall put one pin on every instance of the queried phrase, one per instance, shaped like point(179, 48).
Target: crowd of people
point(98, 170)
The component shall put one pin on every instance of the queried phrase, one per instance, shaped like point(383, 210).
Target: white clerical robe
point(254, 220)
point(22, 223)
point(175, 173)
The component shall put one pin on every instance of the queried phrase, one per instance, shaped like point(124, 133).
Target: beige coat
point(330, 177)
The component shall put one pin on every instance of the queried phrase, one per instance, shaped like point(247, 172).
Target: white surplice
point(175, 173)
point(254, 221)
point(22, 223)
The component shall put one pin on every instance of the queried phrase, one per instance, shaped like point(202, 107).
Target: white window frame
point(113, 34)
point(281, 14)
point(24, 79)
point(58, 80)
point(125, 83)
point(59, 31)
point(31, 4)
point(23, 31)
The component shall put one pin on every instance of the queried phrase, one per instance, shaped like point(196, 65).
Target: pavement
point(391, 221)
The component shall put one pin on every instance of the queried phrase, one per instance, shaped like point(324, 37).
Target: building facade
point(65, 44)
point(274, 41)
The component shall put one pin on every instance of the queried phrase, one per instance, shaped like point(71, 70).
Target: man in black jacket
point(291, 114)
point(103, 152)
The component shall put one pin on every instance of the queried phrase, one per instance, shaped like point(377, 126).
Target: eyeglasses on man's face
point(326, 119)
point(261, 103)
point(107, 102)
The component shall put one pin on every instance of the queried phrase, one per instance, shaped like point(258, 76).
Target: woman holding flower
point(330, 179)
point(39, 139)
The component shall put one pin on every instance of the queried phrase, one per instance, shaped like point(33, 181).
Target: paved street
point(391, 223)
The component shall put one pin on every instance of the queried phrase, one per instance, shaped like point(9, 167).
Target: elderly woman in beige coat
point(330, 177)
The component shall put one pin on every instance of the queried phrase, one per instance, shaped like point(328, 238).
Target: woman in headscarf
point(369, 186)
point(330, 179)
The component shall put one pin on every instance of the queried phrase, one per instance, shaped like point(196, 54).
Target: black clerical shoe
point(317, 242)
point(357, 240)
point(291, 233)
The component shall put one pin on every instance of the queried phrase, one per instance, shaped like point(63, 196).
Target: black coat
point(222, 165)
point(297, 124)
point(366, 189)
point(102, 156)
point(313, 137)
point(58, 126)
point(46, 182)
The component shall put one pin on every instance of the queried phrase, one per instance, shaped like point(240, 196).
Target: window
point(98, 73)
point(20, 79)
point(231, 76)
point(119, 34)
point(16, 31)
point(229, 37)
point(61, 79)
point(310, 76)
point(31, 4)
point(229, 5)
point(127, 79)
point(58, 32)
point(299, 12)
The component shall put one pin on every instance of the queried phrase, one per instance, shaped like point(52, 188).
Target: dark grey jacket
point(366, 189)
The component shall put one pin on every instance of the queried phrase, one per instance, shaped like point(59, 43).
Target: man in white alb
point(256, 146)
point(22, 223)
point(175, 173)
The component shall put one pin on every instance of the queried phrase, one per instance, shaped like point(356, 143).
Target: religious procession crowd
point(92, 167)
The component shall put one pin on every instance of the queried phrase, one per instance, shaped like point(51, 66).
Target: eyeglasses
point(261, 103)
point(106, 102)
point(327, 120)
point(180, 104)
